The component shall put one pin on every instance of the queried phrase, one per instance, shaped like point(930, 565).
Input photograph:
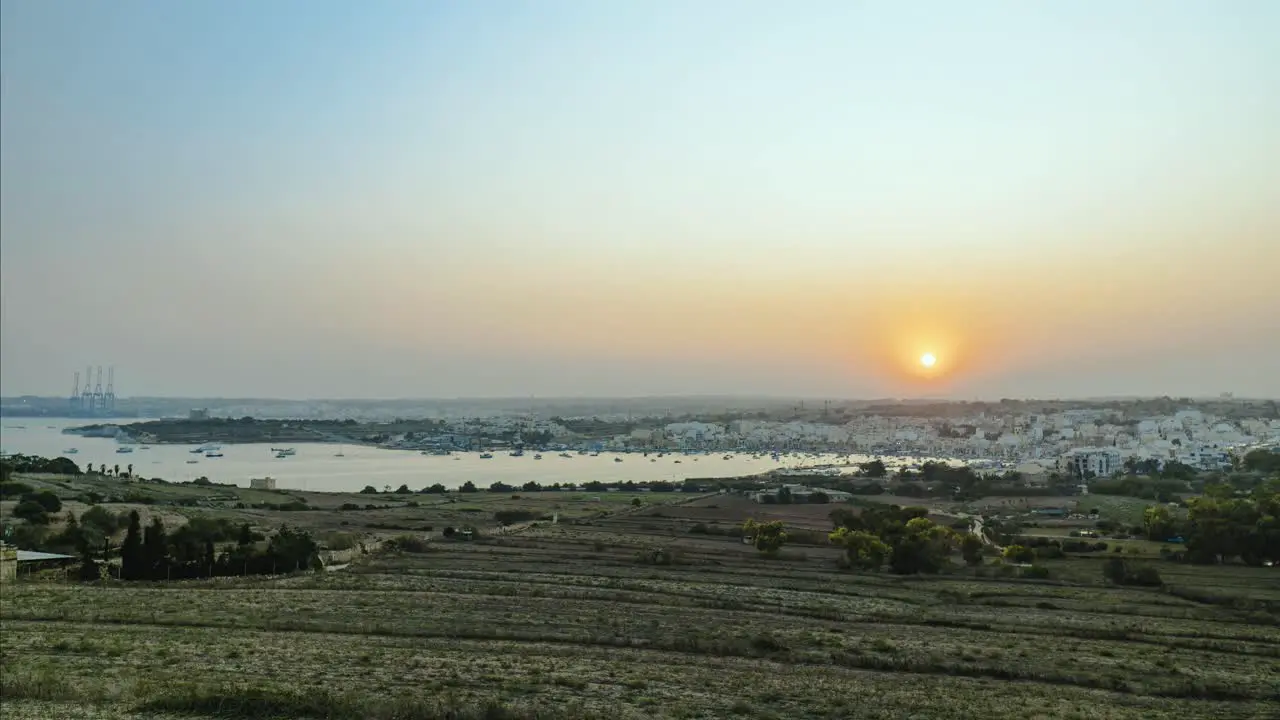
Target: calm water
point(316, 468)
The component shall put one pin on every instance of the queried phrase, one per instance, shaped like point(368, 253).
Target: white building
point(1098, 462)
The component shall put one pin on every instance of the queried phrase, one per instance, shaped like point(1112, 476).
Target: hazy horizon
point(565, 199)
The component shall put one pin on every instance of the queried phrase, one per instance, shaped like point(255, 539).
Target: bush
point(46, 499)
point(1036, 572)
point(1121, 572)
point(31, 511)
point(507, 517)
point(409, 544)
point(14, 489)
point(101, 519)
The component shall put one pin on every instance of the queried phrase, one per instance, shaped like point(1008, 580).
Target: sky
point(320, 198)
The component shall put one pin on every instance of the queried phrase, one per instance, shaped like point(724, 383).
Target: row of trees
point(1222, 526)
point(36, 465)
point(190, 552)
point(902, 537)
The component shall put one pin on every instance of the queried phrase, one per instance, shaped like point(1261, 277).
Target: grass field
point(582, 620)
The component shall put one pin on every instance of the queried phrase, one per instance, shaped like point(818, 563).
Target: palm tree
point(130, 472)
point(116, 472)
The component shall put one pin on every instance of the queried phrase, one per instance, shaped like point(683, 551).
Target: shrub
point(13, 490)
point(507, 517)
point(1036, 572)
point(46, 498)
point(101, 519)
point(698, 529)
point(31, 511)
point(409, 544)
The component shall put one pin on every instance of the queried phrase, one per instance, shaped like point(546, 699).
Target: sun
point(928, 360)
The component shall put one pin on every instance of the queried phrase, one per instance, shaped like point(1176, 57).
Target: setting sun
point(928, 360)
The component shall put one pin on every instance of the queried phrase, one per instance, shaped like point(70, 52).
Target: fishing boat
point(486, 456)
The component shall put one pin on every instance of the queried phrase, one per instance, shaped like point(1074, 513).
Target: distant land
point(830, 409)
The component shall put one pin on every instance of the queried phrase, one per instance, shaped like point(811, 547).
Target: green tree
point(468, 487)
point(31, 511)
point(863, 550)
point(369, 490)
point(921, 547)
point(874, 469)
point(1019, 554)
point(436, 489)
point(131, 558)
point(403, 490)
point(1158, 523)
point(768, 537)
point(47, 500)
point(971, 548)
point(100, 519)
point(244, 537)
point(155, 550)
point(784, 496)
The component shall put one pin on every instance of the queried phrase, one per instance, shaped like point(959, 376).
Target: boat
point(123, 450)
point(207, 447)
point(566, 455)
point(486, 456)
point(617, 459)
point(339, 453)
point(213, 454)
point(192, 462)
point(537, 456)
point(284, 452)
point(70, 451)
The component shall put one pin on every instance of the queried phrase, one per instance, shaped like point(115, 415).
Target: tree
point(131, 558)
point(921, 547)
point(1019, 554)
point(100, 519)
point(1158, 523)
point(46, 499)
point(1262, 460)
point(635, 502)
point(468, 487)
point(436, 489)
point(873, 469)
point(863, 550)
point(784, 496)
point(403, 490)
point(971, 548)
point(116, 471)
point(819, 497)
point(369, 490)
point(31, 511)
point(244, 537)
point(155, 550)
point(130, 471)
point(768, 537)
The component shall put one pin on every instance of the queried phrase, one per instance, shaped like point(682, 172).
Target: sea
point(349, 468)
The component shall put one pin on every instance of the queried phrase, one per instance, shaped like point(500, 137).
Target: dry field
point(585, 621)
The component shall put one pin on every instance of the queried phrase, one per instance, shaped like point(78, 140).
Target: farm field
point(577, 621)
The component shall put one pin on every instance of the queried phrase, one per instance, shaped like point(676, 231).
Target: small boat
point(516, 453)
point(192, 462)
point(213, 454)
point(70, 451)
point(339, 453)
point(486, 456)
point(617, 459)
point(124, 450)
point(565, 455)
point(537, 456)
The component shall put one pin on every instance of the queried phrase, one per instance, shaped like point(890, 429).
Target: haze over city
point(417, 199)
